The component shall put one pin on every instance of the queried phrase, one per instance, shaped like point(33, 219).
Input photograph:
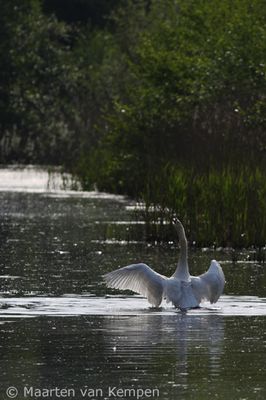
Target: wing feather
point(210, 285)
point(139, 278)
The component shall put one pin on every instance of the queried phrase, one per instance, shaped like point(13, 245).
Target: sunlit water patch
point(32, 179)
point(120, 305)
point(51, 182)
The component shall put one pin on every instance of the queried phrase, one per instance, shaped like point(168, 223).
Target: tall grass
point(223, 208)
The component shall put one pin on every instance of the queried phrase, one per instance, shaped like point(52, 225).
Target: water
point(61, 329)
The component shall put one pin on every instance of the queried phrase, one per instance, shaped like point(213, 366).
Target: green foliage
point(37, 84)
point(219, 208)
point(195, 83)
point(163, 100)
point(192, 99)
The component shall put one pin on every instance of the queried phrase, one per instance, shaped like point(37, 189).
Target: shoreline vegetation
point(160, 100)
point(224, 208)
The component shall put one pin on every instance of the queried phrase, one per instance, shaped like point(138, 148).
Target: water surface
point(60, 326)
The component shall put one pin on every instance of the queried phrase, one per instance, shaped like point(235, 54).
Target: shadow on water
point(61, 327)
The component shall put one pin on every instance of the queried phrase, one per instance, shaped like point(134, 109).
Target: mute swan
point(182, 289)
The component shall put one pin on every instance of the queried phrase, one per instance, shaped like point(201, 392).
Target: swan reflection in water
point(166, 348)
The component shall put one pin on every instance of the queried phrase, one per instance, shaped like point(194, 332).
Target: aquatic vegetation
point(220, 208)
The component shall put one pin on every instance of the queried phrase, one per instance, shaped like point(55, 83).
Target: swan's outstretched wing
point(210, 285)
point(139, 278)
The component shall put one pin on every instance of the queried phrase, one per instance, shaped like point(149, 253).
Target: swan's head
point(179, 227)
point(175, 220)
point(177, 223)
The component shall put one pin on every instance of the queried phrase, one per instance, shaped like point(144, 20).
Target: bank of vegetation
point(162, 100)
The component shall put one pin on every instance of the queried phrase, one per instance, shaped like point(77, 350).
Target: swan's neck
point(182, 271)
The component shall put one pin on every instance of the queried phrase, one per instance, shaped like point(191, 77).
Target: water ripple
point(121, 305)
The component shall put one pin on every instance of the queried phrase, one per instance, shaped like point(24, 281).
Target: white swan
point(182, 289)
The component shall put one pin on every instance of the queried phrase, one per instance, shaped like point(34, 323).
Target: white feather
point(140, 279)
point(210, 285)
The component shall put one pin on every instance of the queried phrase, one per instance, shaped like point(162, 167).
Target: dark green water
point(61, 328)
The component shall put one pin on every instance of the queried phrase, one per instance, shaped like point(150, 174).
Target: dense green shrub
point(163, 100)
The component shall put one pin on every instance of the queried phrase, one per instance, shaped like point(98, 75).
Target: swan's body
point(182, 289)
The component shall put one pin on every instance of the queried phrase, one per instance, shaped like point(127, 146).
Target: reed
point(221, 208)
